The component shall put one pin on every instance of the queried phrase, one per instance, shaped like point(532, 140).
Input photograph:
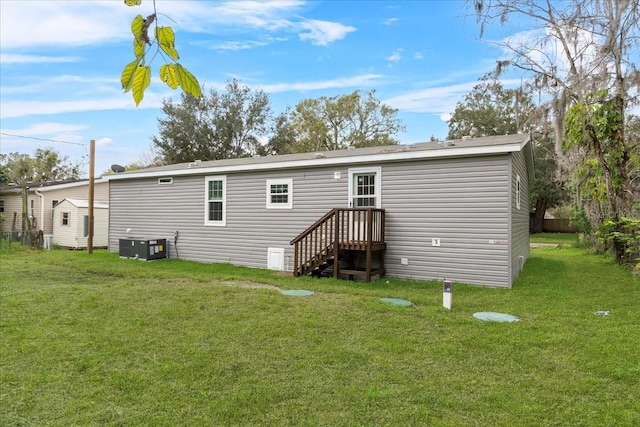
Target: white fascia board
point(468, 151)
point(68, 185)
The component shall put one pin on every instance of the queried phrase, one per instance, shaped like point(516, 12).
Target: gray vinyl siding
point(519, 217)
point(157, 211)
point(464, 202)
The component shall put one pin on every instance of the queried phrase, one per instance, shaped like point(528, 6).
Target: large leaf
point(169, 75)
point(136, 26)
point(188, 81)
point(141, 81)
point(133, 2)
point(126, 78)
point(166, 39)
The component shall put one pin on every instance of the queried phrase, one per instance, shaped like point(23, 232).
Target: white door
point(364, 187)
point(364, 192)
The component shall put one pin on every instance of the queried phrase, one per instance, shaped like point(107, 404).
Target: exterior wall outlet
point(336, 175)
point(404, 261)
point(435, 241)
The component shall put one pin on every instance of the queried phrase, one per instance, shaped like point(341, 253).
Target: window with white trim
point(215, 207)
point(280, 194)
point(517, 191)
point(65, 218)
point(1, 206)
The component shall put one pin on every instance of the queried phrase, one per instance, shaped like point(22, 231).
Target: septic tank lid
point(491, 316)
point(397, 301)
point(297, 292)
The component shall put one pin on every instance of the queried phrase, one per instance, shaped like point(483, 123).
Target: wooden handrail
point(313, 226)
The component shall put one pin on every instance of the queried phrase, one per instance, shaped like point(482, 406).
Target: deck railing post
point(368, 243)
point(336, 243)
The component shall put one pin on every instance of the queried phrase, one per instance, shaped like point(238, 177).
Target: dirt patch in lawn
point(249, 285)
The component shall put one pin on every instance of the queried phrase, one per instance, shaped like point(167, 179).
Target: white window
point(85, 226)
point(279, 194)
point(215, 206)
point(66, 218)
point(165, 181)
point(517, 191)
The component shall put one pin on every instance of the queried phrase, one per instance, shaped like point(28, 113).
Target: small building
point(42, 197)
point(71, 223)
point(456, 210)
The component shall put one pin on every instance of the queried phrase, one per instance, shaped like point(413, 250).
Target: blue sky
point(60, 64)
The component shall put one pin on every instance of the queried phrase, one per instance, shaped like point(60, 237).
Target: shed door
point(364, 187)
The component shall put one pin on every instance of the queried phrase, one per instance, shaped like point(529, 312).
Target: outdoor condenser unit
point(143, 249)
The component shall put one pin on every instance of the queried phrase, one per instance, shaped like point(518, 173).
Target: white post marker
point(447, 294)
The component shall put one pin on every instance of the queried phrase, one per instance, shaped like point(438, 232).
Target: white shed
point(71, 223)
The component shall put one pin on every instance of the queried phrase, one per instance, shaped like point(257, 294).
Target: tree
point(334, 123)
point(585, 49)
point(218, 126)
point(597, 126)
point(581, 46)
point(136, 75)
point(490, 109)
point(283, 139)
point(4, 174)
point(23, 170)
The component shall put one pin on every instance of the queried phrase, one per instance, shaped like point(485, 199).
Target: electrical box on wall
point(435, 241)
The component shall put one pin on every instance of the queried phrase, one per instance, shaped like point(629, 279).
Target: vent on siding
point(165, 181)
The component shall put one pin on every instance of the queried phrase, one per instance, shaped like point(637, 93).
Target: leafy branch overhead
point(136, 75)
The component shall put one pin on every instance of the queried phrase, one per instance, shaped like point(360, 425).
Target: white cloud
point(9, 58)
point(543, 49)
point(62, 85)
point(239, 45)
point(14, 109)
point(418, 55)
point(55, 23)
point(321, 33)
point(26, 24)
point(355, 81)
point(102, 142)
point(46, 128)
point(440, 100)
point(395, 56)
point(390, 21)
point(436, 100)
point(235, 45)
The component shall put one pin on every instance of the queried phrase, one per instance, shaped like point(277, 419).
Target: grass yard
point(98, 340)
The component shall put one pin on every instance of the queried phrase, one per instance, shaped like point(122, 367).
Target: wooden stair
point(336, 238)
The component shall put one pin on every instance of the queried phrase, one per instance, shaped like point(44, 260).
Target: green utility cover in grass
point(490, 316)
point(397, 301)
point(297, 292)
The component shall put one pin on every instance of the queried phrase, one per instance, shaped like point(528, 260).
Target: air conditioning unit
point(143, 249)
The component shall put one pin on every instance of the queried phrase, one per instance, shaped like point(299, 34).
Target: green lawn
point(98, 340)
point(559, 238)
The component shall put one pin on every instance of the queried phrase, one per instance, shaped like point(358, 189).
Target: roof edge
point(467, 151)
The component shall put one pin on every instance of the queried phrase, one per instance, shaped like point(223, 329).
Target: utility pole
point(92, 161)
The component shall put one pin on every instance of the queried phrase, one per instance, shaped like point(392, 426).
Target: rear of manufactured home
point(456, 211)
